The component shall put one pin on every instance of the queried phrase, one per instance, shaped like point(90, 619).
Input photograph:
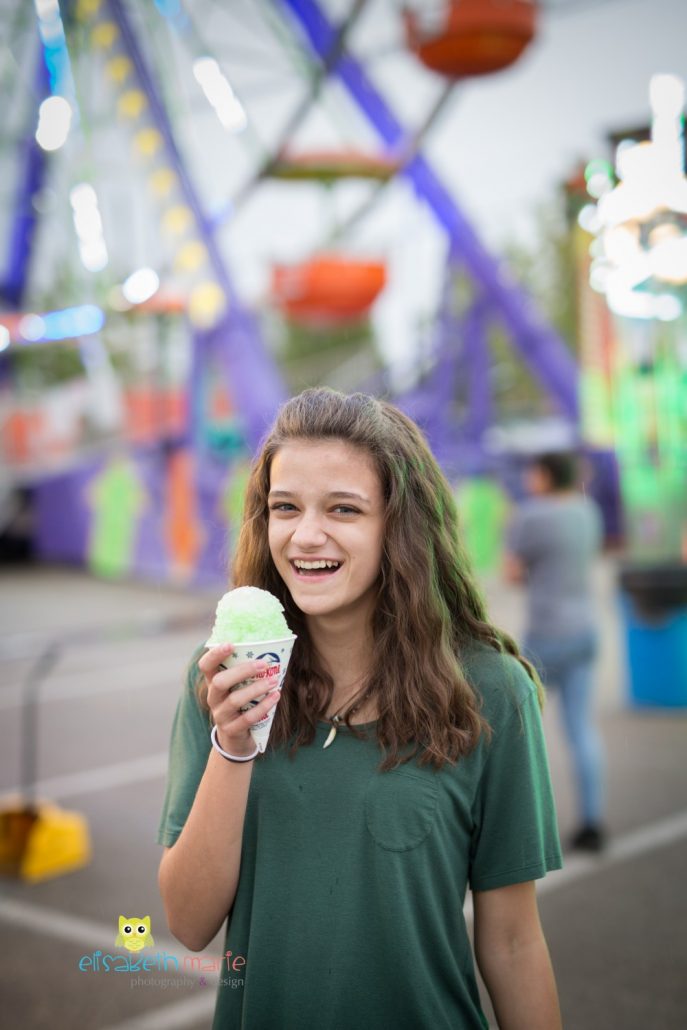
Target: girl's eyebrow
point(348, 495)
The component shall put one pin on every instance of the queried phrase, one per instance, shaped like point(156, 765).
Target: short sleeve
point(188, 755)
point(515, 836)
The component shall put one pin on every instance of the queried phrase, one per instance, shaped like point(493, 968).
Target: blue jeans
point(567, 664)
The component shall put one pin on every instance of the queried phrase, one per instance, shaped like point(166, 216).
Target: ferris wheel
point(139, 186)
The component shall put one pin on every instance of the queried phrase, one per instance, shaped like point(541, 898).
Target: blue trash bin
point(654, 608)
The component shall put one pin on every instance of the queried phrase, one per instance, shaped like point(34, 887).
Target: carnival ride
point(152, 486)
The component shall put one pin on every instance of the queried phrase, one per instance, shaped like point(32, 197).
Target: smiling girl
point(406, 760)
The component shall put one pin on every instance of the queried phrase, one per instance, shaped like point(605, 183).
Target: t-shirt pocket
point(400, 807)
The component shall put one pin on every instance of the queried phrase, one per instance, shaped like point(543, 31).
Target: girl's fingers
point(226, 698)
point(228, 680)
point(213, 658)
point(235, 725)
point(257, 712)
point(231, 707)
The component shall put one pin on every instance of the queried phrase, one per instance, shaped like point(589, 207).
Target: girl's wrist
point(233, 751)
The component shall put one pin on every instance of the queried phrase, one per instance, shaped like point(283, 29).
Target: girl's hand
point(225, 702)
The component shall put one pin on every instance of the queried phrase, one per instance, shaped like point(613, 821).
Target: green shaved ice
point(246, 614)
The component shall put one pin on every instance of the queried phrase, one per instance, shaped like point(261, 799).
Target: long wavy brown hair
point(428, 610)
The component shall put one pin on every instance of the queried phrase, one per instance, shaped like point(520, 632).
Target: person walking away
point(553, 540)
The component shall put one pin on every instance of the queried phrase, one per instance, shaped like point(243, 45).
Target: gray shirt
point(557, 538)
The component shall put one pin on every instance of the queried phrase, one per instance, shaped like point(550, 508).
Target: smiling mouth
point(309, 569)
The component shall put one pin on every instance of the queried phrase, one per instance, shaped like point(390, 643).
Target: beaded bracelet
point(225, 754)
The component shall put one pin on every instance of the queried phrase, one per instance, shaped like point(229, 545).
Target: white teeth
point(316, 564)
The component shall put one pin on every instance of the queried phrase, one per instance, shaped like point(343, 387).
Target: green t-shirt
point(349, 909)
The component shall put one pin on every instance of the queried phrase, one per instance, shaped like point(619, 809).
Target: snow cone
point(253, 621)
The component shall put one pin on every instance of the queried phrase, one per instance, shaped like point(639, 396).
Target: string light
point(89, 227)
point(66, 324)
point(141, 285)
point(31, 328)
point(219, 94)
point(57, 113)
point(54, 122)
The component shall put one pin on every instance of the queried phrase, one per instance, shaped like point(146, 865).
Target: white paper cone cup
point(277, 653)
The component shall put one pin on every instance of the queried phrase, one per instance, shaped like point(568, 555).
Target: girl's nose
point(310, 531)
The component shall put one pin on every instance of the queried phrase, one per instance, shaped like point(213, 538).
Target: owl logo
point(134, 934)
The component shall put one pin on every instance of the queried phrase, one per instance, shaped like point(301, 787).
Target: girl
point(343, 863)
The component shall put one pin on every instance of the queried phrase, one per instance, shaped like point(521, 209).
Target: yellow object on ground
point(39, 842)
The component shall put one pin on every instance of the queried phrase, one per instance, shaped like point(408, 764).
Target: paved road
point(615, 924)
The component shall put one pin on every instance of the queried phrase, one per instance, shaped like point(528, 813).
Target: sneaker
point(588, 838)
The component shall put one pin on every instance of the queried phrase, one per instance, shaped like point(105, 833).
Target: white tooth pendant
point(332, 733)
point(330, 738)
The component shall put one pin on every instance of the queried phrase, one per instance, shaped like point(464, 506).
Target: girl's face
point(326, 522)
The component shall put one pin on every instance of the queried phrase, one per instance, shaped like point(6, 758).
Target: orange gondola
point(476, 37)
point(328, 289)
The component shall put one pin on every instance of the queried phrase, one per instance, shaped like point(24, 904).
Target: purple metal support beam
point(540, 346)
point(429, 402)
point(440, 388)
point(253, 378)
point(32, 168)
point(476, 351)
point(463, 353)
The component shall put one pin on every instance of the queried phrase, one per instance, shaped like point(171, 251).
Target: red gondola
point(327, 289)
point(476, 37)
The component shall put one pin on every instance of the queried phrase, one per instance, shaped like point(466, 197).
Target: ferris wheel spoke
point(408, 153)
point(329, 61)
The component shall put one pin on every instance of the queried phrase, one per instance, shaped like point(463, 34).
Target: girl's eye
point(340, 509)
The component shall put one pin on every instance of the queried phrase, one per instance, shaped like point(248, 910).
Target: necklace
point(338, 718)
